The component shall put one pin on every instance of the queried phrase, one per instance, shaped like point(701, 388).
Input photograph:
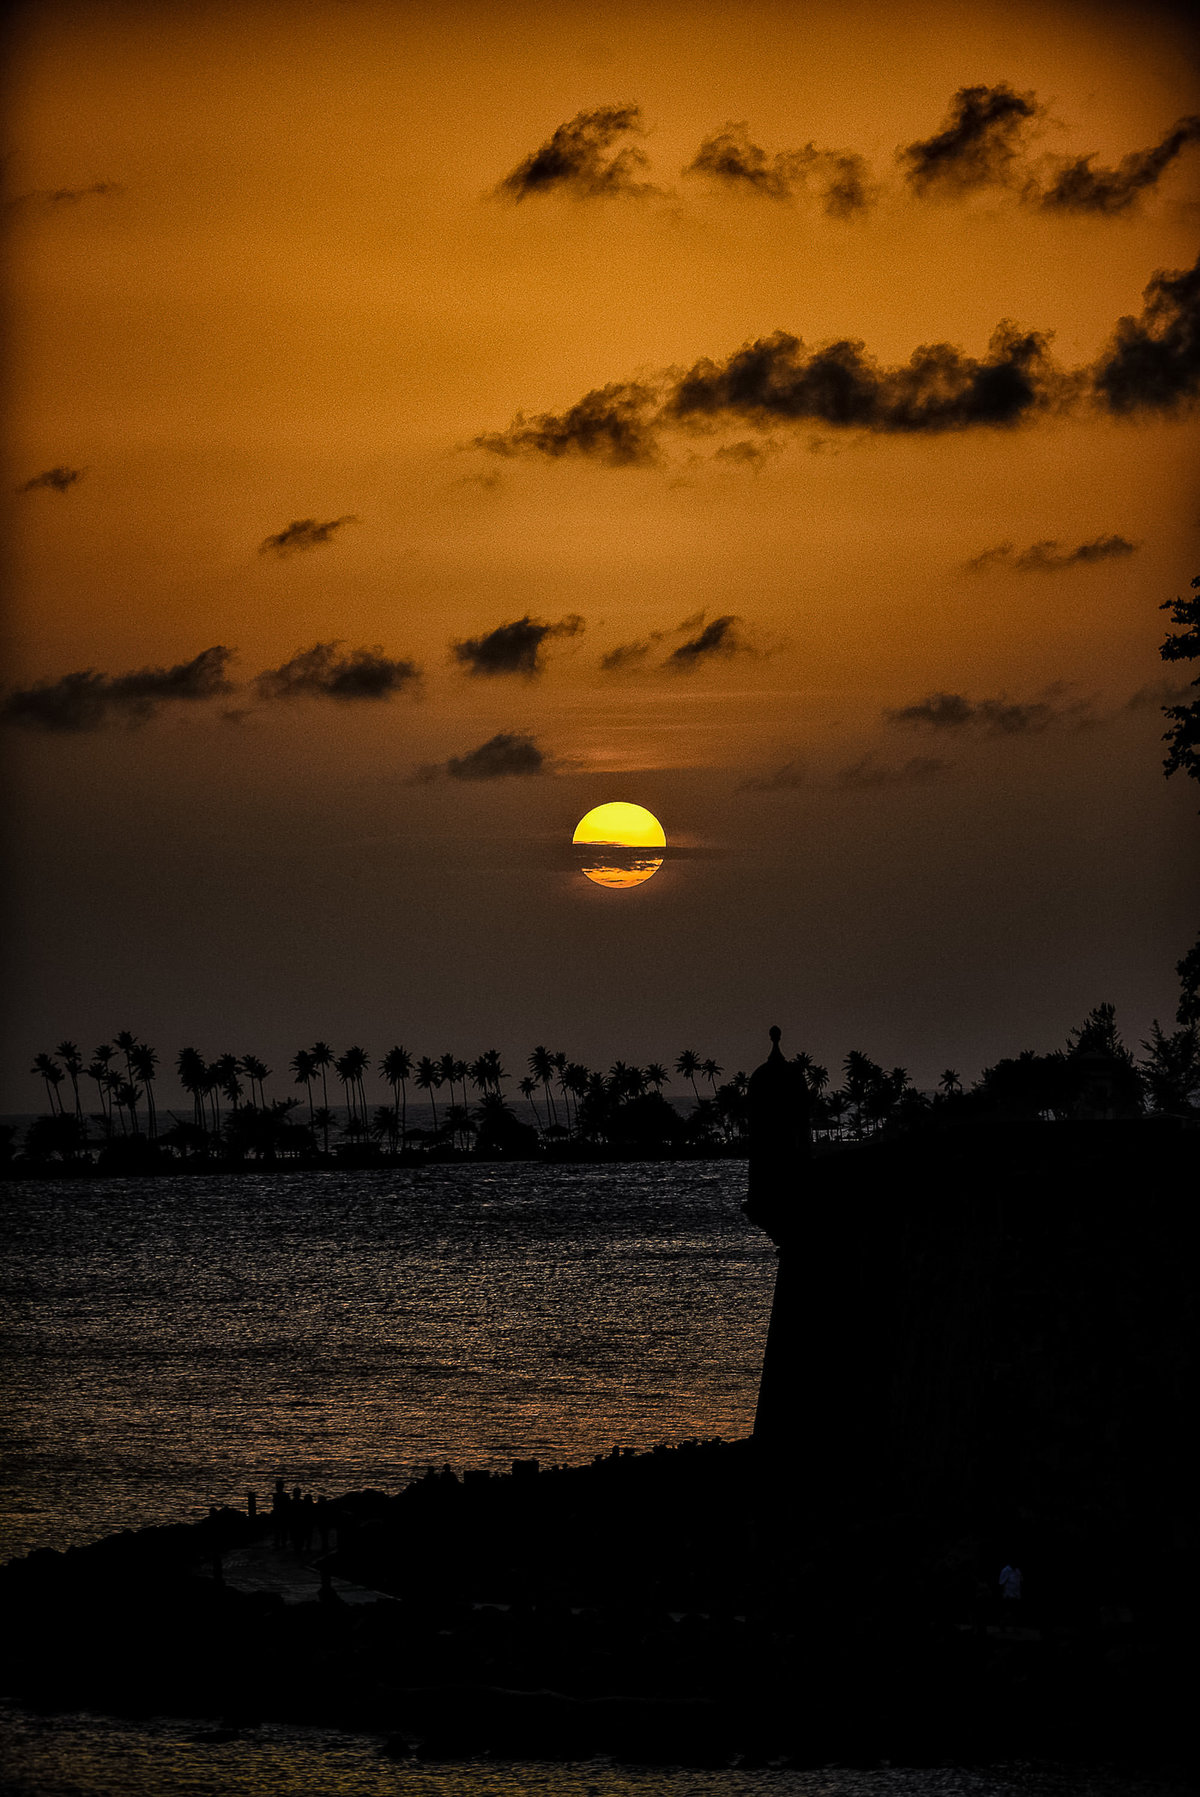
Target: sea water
point(167, 1344)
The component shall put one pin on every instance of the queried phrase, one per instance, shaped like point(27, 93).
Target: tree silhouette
point(429, 1078)
point(304, 1069)
point(256, 1072)
point(68, 1053)
point(193, 1077)
point(51, 1075)
point(657, 1076)
point(527, 1088)
point(711, 1072)
point(688, 1066)
point(322, 1059)
point(396, 1067)
point(949, 1083)
point(1171, 1070)
point(144, 1060)
point(541, 1065)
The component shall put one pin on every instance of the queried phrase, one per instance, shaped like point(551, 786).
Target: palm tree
point(126, 1041)
point(190, 1066)
point(322, 1120)
point(344, 1069)
point(358, 1061)
point(256, 1072)
point(657, 1075)
point(396, 1068)
point(127, 1094)
point(227, 1078)
point(541, 1065)
point(495, 1072)
point(527, 1088)
point(712, 1073)
point(51, 1075)
point(448, 1067)
point(949, 1082)
point(304, 1068)
point(322, 1059)
point(143, 1060)
point(688, 1066)
point(429, 1078)
point(99, 1073)
point(72, 1060)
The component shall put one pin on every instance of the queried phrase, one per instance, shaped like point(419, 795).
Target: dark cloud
point(716, 642)
point(978, 145)
point(627, 656)
point(990, 717)
point(777, 379)
point(870, 773)
point(747, 454)
point(577, 159)
point(1075, 186)
point(302, 533)
point(788, 778)
point(502, 756)
point(1162, 692)
point(609, 424)
point(514, 648)
point(65, 196)
point(1153, 362)
point(87, 700)
point(322, 673)
point(1049, 556)
point(840, 177)
point(58, 480)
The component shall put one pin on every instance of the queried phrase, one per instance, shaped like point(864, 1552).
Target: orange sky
point(297, 296)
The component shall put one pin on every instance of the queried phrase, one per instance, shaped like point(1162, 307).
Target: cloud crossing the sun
point(55, 480)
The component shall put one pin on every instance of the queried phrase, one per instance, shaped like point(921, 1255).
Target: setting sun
point(612, 835)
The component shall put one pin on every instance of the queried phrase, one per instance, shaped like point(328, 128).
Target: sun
point(614, 839)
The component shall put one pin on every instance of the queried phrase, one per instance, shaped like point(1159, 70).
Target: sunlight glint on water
point(171, 1343)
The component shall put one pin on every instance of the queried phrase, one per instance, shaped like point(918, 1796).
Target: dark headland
point(980, 1356)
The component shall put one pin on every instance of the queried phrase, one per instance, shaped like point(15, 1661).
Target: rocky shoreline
point(640, 1607)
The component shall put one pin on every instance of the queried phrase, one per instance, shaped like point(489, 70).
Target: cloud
point(576, 159)
point(748, 454)
point(1162, 692)
point(514, 648)
point(58, 480)
point(320, 672)
point(1152, 363)
point(717, 641)
point(608, 424)
point(869, 773)
point(788, 778)
point(627, 656)
point(86, 700)
point(302, 533)
point(510, 754)
point(777, 380)
point(1049, 557)
point(65, 196)
point(978, 145)
point(841, 177)
point(1075, 186)
point(988, 717)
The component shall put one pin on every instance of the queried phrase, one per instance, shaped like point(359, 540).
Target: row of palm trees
point(566, 1098)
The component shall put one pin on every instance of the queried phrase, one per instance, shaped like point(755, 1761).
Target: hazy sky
point(383, 327)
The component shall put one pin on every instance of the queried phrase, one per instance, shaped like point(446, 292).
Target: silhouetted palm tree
point(712, 1073)
point(51, 1075)
point(304, 1068)
point(541, 1065)
point(949, 1083)
point(68, 1053)
point(657, 1075)
point(126, 1041)
point(688, 1066)
point(193, 1077)
point(256, 1072)
point(396, 1067)
point(344, 1068)
point(144, 1060)
point(495, 1072)
point(527, 1088)
point(99, 1072)
point(322, 1058)
point(227, 1078)
point(429, 1078)
point(359, 1061)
